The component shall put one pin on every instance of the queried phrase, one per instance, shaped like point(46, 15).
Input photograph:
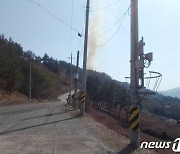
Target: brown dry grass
point(147, 122)
point(11, 96)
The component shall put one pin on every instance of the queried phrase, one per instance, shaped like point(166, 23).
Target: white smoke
point(95, 25)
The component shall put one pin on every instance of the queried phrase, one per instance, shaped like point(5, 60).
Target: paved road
point(50, 128)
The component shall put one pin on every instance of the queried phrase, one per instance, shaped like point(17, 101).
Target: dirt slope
point(148, 122)
point(11, 96)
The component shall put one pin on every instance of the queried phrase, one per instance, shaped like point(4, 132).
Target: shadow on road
point(46, 115)
point(128, 149)
point(44, 124)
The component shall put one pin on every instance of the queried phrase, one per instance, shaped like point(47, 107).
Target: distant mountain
point(172, 92)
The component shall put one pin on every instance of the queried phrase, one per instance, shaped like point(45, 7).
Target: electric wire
point(107, 30)
point(71, 26)
point(53, 15)
point(123, 17)
point(110, 5)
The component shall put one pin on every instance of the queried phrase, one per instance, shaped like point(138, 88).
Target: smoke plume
point(93, 39)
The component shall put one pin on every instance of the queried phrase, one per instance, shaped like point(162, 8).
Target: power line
point(117, 21)
point(106, 6)
point(53, 15)
point(112, 34)
point(71, 25)
point(123, 17)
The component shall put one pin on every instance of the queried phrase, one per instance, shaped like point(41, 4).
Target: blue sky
point(159, 24)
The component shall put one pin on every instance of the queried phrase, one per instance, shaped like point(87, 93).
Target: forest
point(15, 71)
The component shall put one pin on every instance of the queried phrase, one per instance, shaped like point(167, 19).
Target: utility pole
point(134, 83)
point(76, 77)
point(82, 108)
point(138, 61)
point(30, 79)
point(70, 80)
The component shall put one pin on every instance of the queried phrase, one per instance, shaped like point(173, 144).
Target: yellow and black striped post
point(134, 118)
point(82, 97)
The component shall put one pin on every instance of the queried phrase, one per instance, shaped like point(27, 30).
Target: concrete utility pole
point(134, 71)
point(76, 77)
point(30, 79)
point(70, 80)
point(82, 108)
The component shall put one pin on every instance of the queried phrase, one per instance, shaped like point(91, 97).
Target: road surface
point(50, 128)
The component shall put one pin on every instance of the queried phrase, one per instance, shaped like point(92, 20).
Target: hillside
point(163, 106)
point(11, 96)
point(46, 80)
point(175, 92)
point(49, 77)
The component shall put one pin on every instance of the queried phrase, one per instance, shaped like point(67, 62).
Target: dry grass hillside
point(11, 96)
point(153, 128)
